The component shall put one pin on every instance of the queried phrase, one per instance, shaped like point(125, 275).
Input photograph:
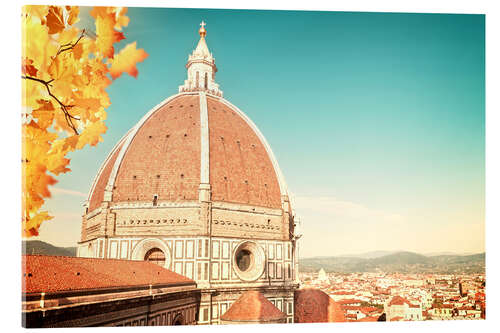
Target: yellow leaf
point(68, 36)
point(44, 114)
point(91, 134)
point(106, 34)
point(37, 11)
point(121, 19)
point(126, 61)
point(73, 75)
point(73, 12)
point(31, 225)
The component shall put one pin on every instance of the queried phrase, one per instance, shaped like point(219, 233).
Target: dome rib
point(274, 161)
point(104, 165)
point(131, 136)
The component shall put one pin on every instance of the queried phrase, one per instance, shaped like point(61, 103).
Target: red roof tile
point(368, 318)
point(398, 300)
point(57, 273)
point(253, 306)
point(315, 306)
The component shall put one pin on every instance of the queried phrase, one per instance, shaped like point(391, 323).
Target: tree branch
point(69, 117)
point(69, 46)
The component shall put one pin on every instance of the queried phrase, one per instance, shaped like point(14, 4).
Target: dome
point(163, 158)
point(253, 307)
point(315, 306)
point(195, 188)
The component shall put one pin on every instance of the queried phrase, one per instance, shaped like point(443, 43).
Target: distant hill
point(404, 262)
point(39, 247)
point(369, 255)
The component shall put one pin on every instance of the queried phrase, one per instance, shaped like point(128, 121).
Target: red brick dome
point(315, 306)
point(189, 139)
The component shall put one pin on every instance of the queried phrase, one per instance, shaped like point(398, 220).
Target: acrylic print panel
point(328, 167)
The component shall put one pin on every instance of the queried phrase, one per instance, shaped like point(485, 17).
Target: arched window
point(178, 320)
point(156, 256)
point(197, 79)
point(206, 80)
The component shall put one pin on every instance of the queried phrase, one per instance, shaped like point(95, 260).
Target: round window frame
point(140, 249)
point(256, 267)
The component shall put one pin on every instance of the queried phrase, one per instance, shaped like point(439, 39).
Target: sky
point(376, 119)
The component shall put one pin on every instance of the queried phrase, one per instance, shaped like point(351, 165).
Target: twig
point(69, 46)
point(69, 117)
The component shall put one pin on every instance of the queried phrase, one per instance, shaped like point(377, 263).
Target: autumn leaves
point(65, 71)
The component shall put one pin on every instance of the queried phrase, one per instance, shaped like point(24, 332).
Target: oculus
point(249, 261)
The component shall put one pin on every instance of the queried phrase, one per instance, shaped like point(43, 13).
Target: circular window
point(249, 261)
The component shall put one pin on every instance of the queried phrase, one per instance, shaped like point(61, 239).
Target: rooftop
point(58, 273)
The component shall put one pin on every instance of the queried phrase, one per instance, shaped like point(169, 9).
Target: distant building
point(400, 308)
point(322, 276)
point(468, 287)
point(442, 311)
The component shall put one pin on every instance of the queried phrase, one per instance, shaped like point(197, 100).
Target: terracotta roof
point(351, 307)
point(349, 301)
point(398, 300)
point(164, 158)
point(315, 306)
point(368, 318)
point(253, 306)
point(57, 273)
point(370, 309)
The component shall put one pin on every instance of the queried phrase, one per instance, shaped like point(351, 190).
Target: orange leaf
point(55, 20)
point(126, 60)
point(78, 51)
point(28, 68)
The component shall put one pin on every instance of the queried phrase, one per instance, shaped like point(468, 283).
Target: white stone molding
point(127, 205)
point(205, 142)
point(103, 164)
point(257, 263)
point(246, 208)
point(142, 247)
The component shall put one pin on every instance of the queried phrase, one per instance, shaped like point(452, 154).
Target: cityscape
point(380, 296)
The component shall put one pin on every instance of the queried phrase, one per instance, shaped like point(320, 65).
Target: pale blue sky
point(377, 120)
